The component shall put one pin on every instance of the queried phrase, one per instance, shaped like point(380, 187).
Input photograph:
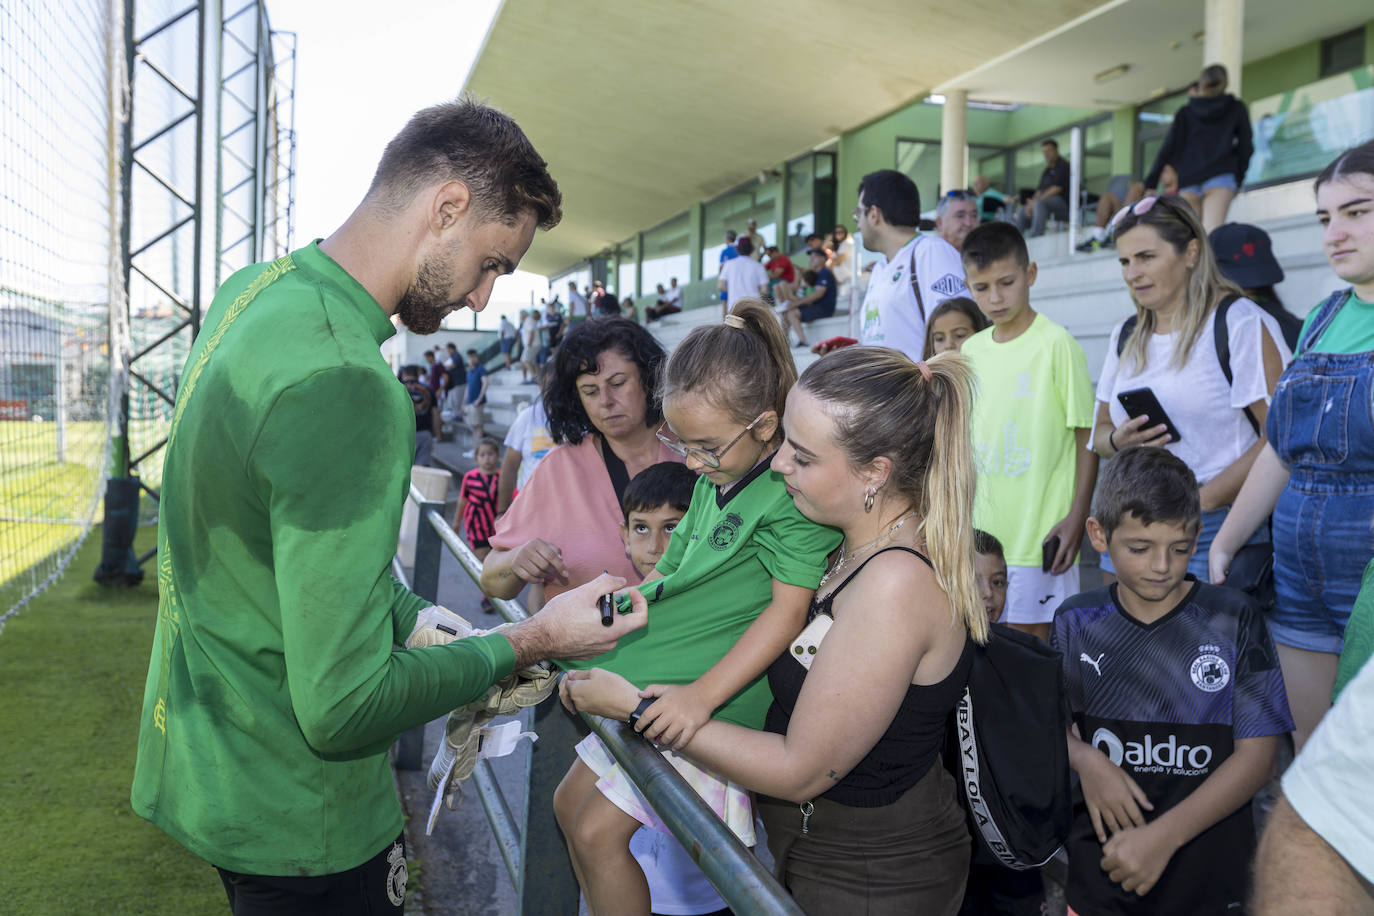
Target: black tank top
point(913, 740)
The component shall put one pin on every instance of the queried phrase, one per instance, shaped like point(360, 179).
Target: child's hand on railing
point(676, 716)
point(599, 692)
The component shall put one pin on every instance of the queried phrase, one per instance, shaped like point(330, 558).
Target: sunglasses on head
point(959, 195)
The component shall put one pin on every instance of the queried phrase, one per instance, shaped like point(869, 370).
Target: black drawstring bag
point(1007, 750)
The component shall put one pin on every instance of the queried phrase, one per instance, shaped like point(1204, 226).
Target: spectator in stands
point(551, 331)
point(1315, 855)
point(1245, 256)
point(1315, 471)
point(475, 516)
point(628, 310)
point(782, 273)
point(956, 215)
point(507, 339)
point(730, 251)
point(742, 277)
point(475, 396)
point(529, 345)
point(527, 442)
point(427, 424)
point(841, 264)
point(455, 372)
point(667, 303)
point(1120, 192)
point(991, 202)
point(1051, 197)
point(953, 322)
point(579, 309)
point(606, 303)
point(1209, 144)
point(817, 304)
point(1031, 426)
point(878, 447)
point(434, 372)
point(752, 234)
point(1170, 347)
point(603, 409)
point(915, 272)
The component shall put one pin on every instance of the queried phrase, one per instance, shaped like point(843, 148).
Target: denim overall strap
point(1326, 313)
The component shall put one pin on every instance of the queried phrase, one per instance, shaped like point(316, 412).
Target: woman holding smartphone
point(1169, 355)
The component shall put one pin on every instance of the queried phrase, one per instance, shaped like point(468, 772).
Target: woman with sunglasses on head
point(1209, 357)
point(729, 595)
point(1316, 474)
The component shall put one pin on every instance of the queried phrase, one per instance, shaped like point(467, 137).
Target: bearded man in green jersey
point(274, 692)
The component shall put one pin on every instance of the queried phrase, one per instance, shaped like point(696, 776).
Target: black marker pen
point(607, 605)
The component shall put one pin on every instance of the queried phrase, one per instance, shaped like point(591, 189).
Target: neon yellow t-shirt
point(1033, 392)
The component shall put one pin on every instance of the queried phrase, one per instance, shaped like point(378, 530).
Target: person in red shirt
point(780, 270)
point(477, 498)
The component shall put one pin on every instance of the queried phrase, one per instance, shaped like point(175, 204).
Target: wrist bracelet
point(1111, 440)
point(640, 710)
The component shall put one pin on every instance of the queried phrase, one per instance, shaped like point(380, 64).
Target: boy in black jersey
point(1176, 704)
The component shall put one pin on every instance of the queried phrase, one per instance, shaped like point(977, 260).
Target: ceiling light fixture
point(1106, 76)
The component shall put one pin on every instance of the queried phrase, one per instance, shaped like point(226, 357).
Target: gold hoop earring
point(868, 499)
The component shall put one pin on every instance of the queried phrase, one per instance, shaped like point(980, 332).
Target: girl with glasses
point(728, 597)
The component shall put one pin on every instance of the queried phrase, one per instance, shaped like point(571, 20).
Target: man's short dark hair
point(451, 345)
point(471, 352)
point(986, 544)
point(745, 245)
point(1050, 142)
point(473, 143)
point(1151, 483)
point(893, 193)
point(991, 242)
point(406, 372)
point(668, 483)
point(814, 235)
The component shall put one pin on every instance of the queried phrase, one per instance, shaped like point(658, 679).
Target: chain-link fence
point(145, 146)
point(58, 244)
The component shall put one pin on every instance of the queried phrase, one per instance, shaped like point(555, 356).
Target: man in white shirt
point(917, 272)
point(742, 277)
point(578, 309)
point(1317, 852)
point(956, 215)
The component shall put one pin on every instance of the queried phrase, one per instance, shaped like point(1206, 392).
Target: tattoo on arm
point(833, 775)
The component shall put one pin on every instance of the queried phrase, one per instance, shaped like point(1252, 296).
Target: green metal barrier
point(529, 839)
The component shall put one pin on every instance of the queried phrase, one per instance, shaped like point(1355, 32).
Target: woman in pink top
point(602, 404)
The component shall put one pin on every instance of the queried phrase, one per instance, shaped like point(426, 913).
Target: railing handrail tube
point(742, 880)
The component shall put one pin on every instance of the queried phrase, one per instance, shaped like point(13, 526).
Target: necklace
point(847, 558)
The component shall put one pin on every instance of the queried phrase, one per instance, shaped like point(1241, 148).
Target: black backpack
point(1221, 336)
point(1008, 752)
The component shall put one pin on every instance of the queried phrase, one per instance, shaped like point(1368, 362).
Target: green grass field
point(72, 668)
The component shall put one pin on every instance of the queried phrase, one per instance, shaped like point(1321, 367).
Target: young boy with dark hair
point(1031, 425)
point(990, 568)
point(654, 502)
point(1176, 703)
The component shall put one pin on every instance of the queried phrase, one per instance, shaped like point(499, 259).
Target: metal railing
point(740, 878)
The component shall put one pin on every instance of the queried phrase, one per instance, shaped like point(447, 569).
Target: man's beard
point(425, 303)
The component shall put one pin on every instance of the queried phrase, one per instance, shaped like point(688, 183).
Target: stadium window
point(1342, 52)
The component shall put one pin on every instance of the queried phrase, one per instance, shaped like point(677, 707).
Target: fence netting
point(58, 250)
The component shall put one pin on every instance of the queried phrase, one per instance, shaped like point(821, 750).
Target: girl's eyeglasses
point(709, 458)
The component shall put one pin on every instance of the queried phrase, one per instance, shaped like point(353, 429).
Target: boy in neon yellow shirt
point(1031, 427)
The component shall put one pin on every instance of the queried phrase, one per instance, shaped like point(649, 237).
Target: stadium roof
point(645, 108)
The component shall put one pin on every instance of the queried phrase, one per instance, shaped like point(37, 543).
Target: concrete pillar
point(695, 217)
point(1224, 38)
point(639, 264)
point(954, 141)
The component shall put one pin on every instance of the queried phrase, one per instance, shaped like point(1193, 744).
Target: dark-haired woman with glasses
point(1216, 401)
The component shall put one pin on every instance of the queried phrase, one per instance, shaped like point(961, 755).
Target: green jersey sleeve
point(793, 548)
point(327, 466)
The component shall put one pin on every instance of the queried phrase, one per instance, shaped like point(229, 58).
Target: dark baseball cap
point(1245, 255)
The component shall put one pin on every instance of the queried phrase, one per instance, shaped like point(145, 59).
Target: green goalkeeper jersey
point(273, 691)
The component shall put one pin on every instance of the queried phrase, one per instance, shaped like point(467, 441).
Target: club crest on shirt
point(726, 532)
point(1210, 672)
point(396, 875)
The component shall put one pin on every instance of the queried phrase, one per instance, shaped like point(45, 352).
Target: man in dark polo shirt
point(1051, 198)
point(819, 303)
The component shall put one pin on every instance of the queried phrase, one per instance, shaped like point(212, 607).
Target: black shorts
point(816, 311)
point(376, 886)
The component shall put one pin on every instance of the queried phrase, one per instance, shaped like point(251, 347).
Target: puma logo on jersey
point(1095, 662)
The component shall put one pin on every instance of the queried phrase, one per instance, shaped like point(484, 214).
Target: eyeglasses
point(709, 458)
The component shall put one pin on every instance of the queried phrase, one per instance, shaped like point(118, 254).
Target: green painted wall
point(1123, 141)
point(1291, 68)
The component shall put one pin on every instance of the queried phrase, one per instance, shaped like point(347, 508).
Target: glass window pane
point(732, 211)
point(666, 253)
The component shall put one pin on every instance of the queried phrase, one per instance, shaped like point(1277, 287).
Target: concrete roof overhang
point(645, 108)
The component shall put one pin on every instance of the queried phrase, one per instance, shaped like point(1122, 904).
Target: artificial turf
point(72, 668)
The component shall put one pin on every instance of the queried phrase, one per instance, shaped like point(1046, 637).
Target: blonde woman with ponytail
point(861, 815)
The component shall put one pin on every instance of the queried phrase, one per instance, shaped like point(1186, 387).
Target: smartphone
point(1142, 402)
point(1047, 552)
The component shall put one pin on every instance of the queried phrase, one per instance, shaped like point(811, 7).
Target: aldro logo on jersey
point(1153, 755)
point(726, 532)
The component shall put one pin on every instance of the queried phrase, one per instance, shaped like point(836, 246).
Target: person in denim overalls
point(1317, 473)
